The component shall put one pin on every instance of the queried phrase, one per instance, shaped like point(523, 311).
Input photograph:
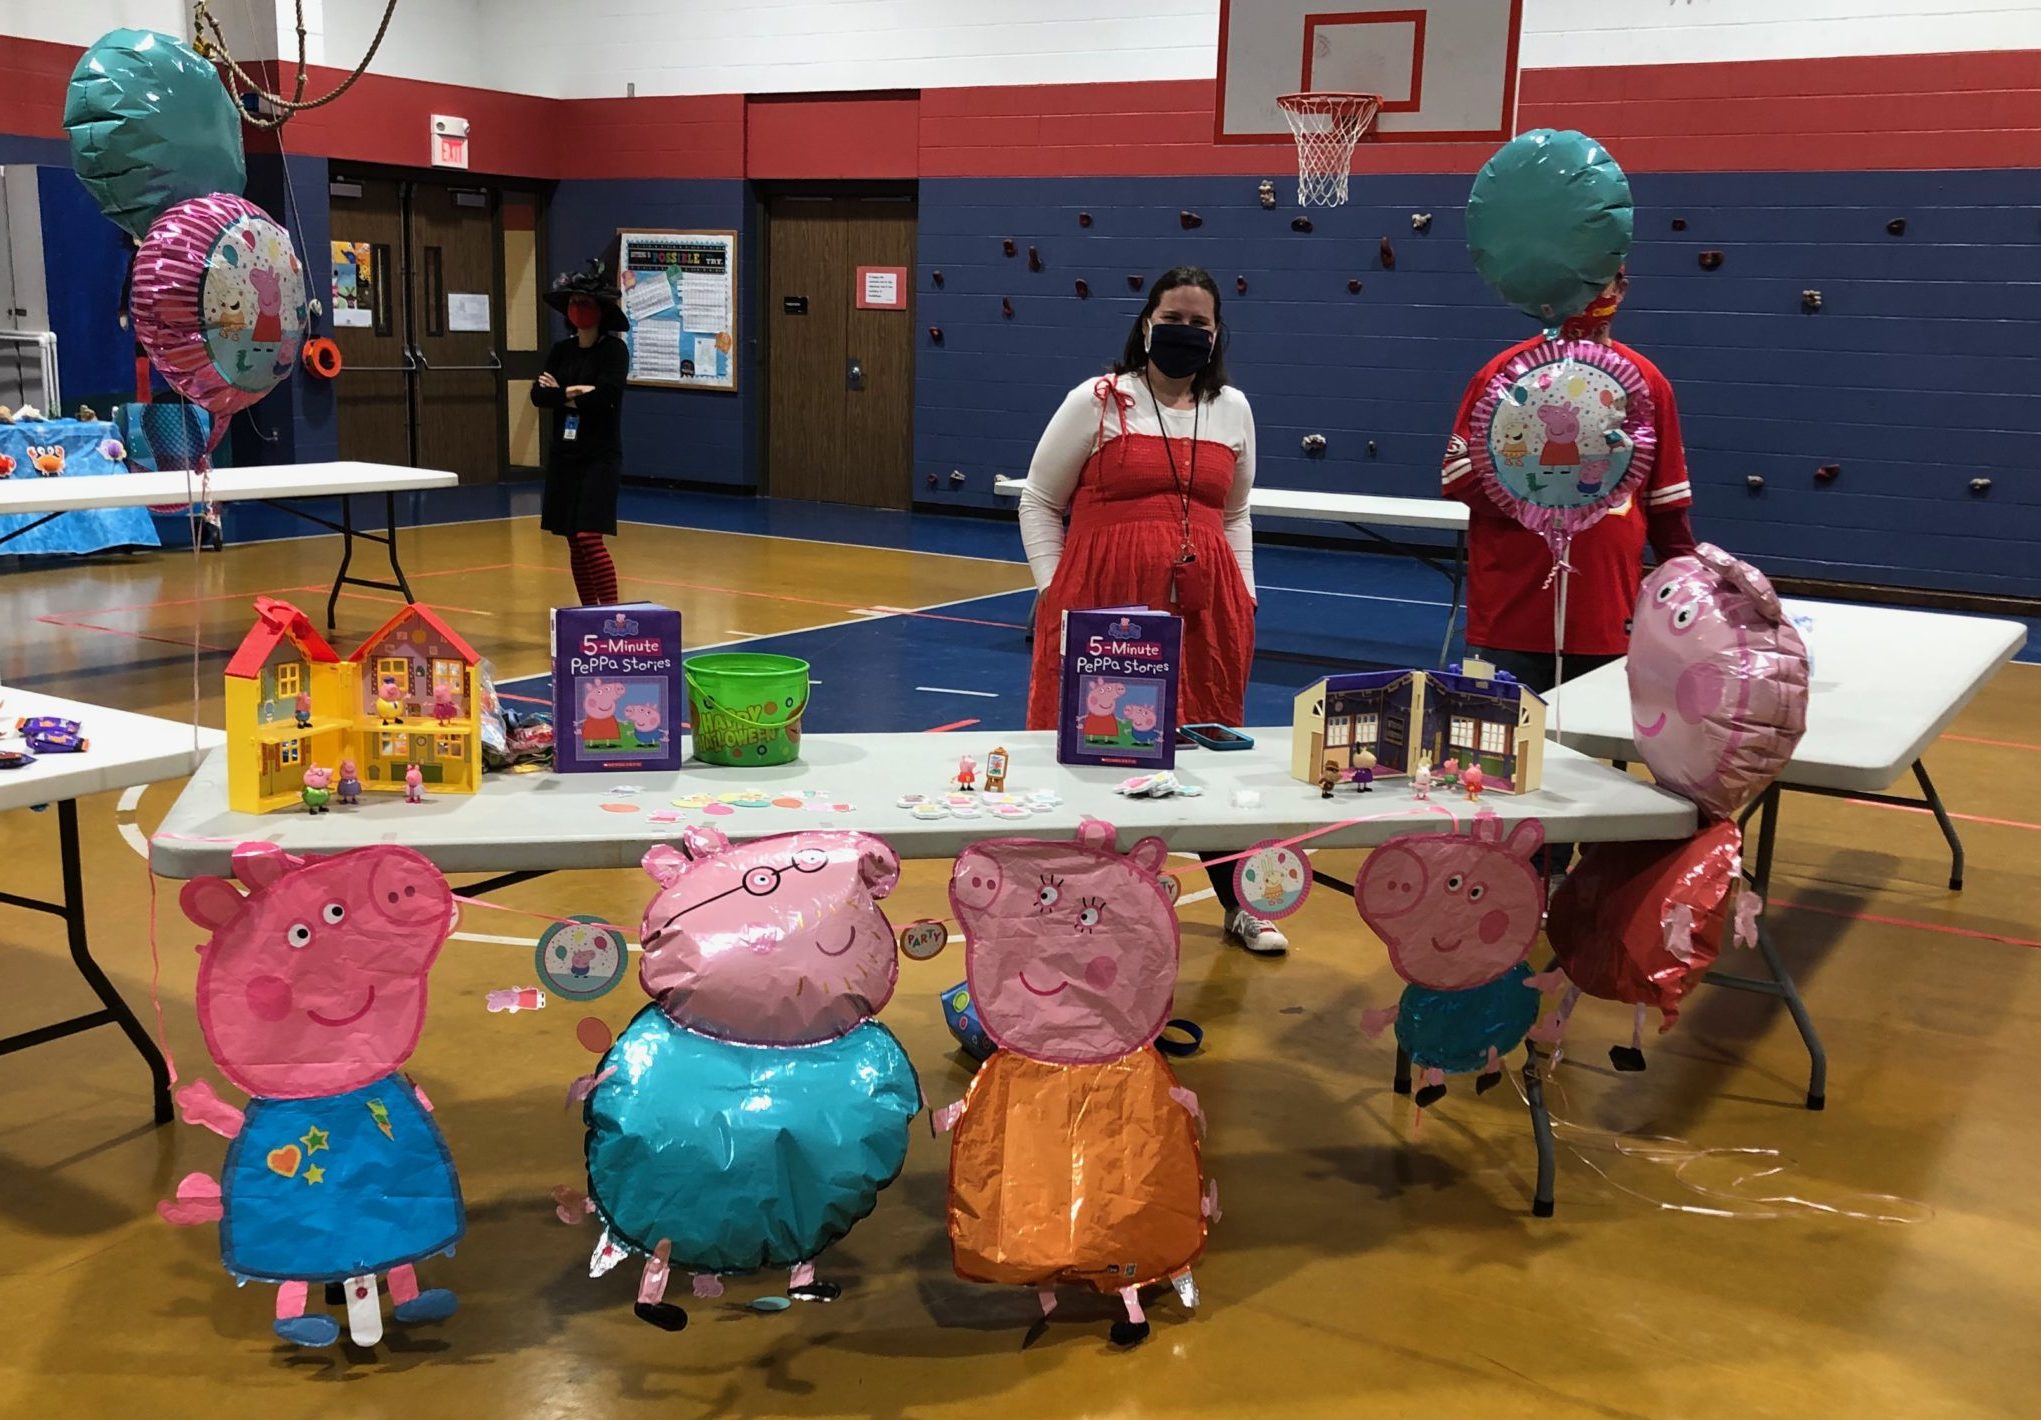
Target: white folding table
point(1886, 682)
point(1364, 513)
point(281, 486)
point(523, 826)
point(123, 750)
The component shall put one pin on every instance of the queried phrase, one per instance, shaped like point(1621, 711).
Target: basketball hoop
point(1326, 127)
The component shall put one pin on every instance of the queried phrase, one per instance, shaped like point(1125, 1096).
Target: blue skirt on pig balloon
point(744, 1156)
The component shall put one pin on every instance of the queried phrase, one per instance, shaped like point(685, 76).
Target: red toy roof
point(275, 621)
point(430, 618)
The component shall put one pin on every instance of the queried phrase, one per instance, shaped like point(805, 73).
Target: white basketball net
point(1326, 127)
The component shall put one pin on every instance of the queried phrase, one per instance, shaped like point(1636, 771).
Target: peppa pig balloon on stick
point(1459, 914)
point(749, 1116)
point(1077, 1152)
point(311, 996)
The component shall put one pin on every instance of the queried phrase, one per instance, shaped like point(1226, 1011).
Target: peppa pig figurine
point(967, 774)
point(1718, 680)
point(311, 996)
point(750, 1116)
point(390, 701)
point(318, 790)
point(348, 788)
point(302, 709)
point(414, 785)
point(1472, 782)
point(443, 707)
point(1076, 1157)
point(1458, 914)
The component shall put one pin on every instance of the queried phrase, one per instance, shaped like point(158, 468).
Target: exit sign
point(449, 141)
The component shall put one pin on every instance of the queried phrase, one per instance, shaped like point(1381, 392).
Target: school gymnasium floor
point(1363, 1266)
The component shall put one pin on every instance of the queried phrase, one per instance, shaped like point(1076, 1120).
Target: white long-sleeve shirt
point(1073, 433)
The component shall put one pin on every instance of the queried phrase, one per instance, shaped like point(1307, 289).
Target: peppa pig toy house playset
point(1471, 716)
point(406, 697)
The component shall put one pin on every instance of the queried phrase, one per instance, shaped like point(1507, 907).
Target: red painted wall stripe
point(1918, 111)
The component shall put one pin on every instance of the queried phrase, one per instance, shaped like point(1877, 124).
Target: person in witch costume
point(583, 385)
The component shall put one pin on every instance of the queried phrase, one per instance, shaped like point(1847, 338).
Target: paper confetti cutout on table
point(619, 808)
point(663, 816)
point(719, 810)
point(517, 998)
point(693, 801)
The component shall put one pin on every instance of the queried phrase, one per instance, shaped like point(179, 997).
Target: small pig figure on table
point(348, 788)
point(311, 996)
point(390, 701)
point(1472, 782)
point(749, 1116)
point(414, 785)
point(1421, 780)
point(1076, 1157)
point(318, 790)
point(302, 708)
point(1458, 914)
point(443, 707)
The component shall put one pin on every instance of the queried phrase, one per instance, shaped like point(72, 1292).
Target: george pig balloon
point(1459, 914)
point(1076, 1157)
point(750, 1115)
point(1718, 680)
point(1641, 922)
point(311, 996)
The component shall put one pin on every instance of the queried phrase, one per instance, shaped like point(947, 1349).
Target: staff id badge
point(570, 428)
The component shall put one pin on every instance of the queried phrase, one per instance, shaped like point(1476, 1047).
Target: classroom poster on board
point(680, 296)
point(354, 281)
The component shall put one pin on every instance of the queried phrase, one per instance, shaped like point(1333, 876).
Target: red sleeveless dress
point(1126, 524)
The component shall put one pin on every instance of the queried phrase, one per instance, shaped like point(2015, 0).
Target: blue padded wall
point(1919, 374)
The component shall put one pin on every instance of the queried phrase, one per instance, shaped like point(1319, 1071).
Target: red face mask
point(584, 315)
point(1600, 312)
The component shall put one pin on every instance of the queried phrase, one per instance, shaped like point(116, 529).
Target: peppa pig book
point(1120, 667)
point(617, 698)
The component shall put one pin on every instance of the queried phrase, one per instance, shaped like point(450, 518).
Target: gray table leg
point(1920, 773)
point(1401, 1082)
point(1459, 576)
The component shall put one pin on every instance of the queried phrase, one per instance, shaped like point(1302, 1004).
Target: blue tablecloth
point(68, 448)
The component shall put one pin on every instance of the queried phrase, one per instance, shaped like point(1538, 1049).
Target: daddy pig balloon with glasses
point(749, 1116)
point(1076, 1158)
point(311, 996)
point(1458, 913)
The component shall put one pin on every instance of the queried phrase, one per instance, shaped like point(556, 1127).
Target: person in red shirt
point(1510, 605)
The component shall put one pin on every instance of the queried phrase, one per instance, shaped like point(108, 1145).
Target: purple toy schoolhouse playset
point(1464, 716)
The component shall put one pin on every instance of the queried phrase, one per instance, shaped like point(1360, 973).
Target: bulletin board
point(680, 296)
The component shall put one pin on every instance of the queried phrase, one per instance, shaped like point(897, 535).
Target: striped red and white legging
point(595, 576)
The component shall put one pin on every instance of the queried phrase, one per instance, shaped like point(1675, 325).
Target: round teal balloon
point(151, 125)
point(1549, 222)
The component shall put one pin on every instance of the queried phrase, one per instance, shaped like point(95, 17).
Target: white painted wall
point(594, 48)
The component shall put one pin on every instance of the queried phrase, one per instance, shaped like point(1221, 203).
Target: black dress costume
point(582, 473)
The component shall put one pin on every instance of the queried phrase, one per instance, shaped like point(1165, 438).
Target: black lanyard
point(1183, 489)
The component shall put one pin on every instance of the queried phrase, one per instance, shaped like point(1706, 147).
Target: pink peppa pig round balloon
point(219, 302)
point(1718, 680)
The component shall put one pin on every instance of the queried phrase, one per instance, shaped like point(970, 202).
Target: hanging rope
point(211, 42)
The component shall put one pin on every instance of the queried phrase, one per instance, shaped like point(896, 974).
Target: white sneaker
point(1261, 937)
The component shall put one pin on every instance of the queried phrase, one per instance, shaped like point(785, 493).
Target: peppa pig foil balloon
point(1641, 922)
point(1076, 1157)
point(750, 1116)
point(219, 303)
point(311, 996)
point(1459, 914)
point(1718, 680)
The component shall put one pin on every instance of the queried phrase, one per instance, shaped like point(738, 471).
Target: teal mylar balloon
point(151, 125)
point(1549, 222)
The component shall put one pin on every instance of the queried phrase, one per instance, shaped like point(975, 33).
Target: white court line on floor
point(949, 690)
point(817, 541)
point(1352, 596)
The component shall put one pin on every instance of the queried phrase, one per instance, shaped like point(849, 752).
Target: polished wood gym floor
point(1365, 1266)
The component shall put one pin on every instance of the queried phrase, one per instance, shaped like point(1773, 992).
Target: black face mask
point(1179, 351)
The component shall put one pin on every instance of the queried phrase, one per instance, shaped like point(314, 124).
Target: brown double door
point(841, 380)
point(422, 335)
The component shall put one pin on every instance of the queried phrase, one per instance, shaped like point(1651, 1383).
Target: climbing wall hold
point(1897, 226)
point(1679, 224)
point(1388, 255)
point(956, 478)
point(1034, 260)
point(1314, 443)
point(1084, 290)
point(1084, 219)
point(1980, 486)
point(938, 280)
point(1267, 192)
point(935, 334)
point(1710, 260)
point(1372, 450)
point(1420, 221)
point(1006, 307)
point(1240, 285)
point(1754, 483)
point(1135, 283)
point(1188, 220)
point(1008, 247)
point(1300, 224)
point(1827, 472)
point(1353, 286)
point(1810, 301)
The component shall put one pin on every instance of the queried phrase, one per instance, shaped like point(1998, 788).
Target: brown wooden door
point(841, 403)
point(372, 326)
point(457, 331)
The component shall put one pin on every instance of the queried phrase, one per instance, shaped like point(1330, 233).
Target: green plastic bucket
point(746, 707)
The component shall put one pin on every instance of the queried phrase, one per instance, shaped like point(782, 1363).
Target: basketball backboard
point(1446, 70)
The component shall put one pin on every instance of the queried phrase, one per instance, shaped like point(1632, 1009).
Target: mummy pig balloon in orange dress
point(1076, 1158)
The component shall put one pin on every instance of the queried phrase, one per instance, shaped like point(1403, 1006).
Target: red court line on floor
point(310, 587)
point(806, 601)
point(527, 699)
point(183, 644)
point(1961, 818)
point(1995, 744)
point(1850, 915)
point(953, 725)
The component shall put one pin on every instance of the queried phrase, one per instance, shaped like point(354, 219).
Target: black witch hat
point(594, 283)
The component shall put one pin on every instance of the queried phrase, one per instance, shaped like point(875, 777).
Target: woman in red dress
point(1151, 466)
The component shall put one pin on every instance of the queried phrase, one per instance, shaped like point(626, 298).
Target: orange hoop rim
point(322, 357)
point(1332, 101)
